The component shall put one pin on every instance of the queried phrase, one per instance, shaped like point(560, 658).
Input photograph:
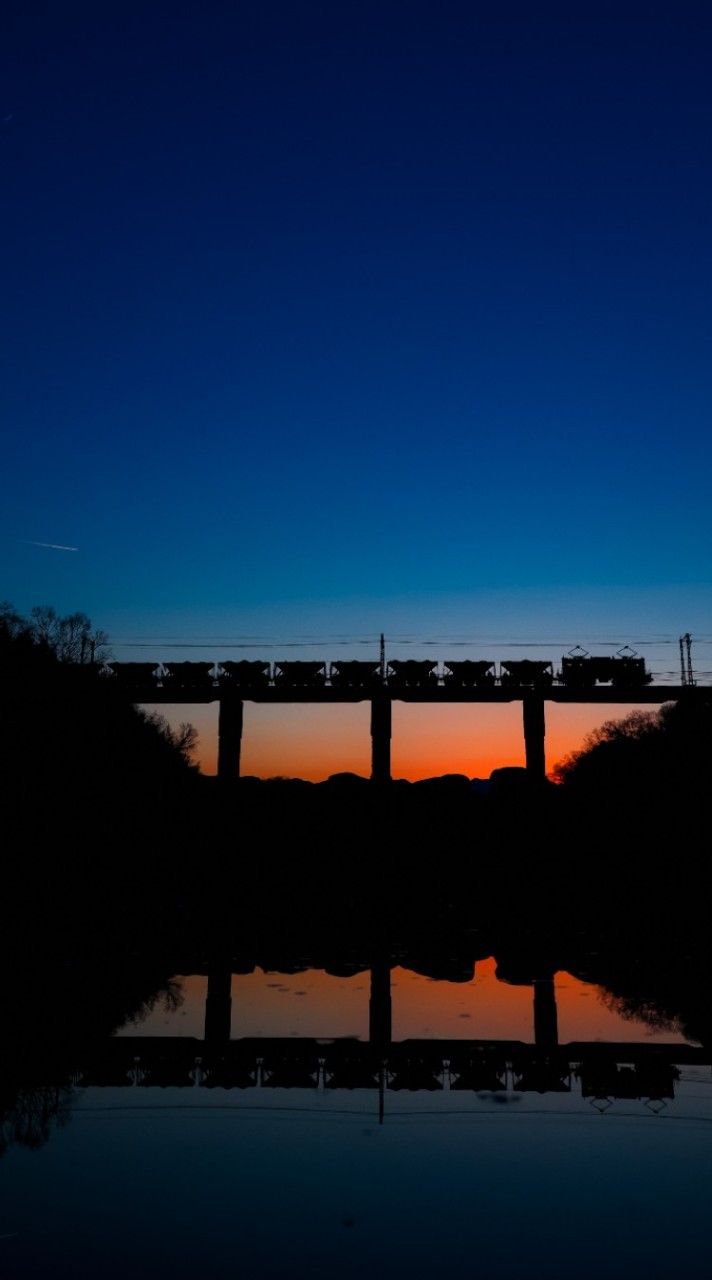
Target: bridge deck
point(647, 695)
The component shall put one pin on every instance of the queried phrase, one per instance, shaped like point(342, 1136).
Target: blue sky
point(332, 319)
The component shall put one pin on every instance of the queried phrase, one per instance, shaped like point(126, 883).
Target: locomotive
point(581, 672)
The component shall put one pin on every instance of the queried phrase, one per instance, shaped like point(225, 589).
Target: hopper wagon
point(469, 674)
point(84, 674)
point(310, 675)
point(137, 675)
point(409, 673)
point(355, 674)
point(189, 675)
point(244, 674)
point(526, 673)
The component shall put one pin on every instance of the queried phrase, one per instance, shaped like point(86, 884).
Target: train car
point(526, 673)
point(244, 675)
point(137, 675)
point(408, 673)
point(189, 675)
point(469, 674)
point(309, 675)
point(355, 674)
point(82, 675)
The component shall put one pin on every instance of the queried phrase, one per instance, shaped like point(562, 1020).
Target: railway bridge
point(622, 680)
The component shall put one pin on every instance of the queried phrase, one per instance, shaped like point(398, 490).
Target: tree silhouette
point(68, 638)
point(665, 752)
point(608, 746)
point(61, 732)
point(71, 638)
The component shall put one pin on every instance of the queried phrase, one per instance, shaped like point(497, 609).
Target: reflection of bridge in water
point(618, 680)
point(601, 1071)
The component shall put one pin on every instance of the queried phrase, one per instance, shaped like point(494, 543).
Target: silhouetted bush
point(664, 754)
point(67, 735)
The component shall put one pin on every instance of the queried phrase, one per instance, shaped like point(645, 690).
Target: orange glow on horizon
point(319, 1004)
point(313, 742)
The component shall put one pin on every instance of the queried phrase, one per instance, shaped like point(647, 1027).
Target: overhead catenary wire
point(248, 642)
point(495, 645)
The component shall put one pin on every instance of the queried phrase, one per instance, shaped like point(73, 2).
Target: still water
point(344, 1121)
point(316, 1003)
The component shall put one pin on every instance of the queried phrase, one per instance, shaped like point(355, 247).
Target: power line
point(204, 642)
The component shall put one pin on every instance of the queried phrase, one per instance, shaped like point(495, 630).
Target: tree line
point(55, 736)
point(67, 638)
point(663, 752)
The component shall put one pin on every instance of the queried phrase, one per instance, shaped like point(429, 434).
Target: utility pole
point(686, 659)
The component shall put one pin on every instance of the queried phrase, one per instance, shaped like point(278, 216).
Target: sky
point(325, 321)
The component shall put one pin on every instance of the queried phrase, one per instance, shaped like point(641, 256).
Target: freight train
point(576, 672)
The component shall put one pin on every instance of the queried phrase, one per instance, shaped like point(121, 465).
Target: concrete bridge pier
point(379, 1008)
point(218, 1004)
point(546, 1025)
point(230, 720)
point(381, 727)
point(534, 733)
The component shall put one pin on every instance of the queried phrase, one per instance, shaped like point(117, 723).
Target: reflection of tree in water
point(168, 998)
point(27, 1119)
point(663, 984)
point(36, 1094)
point(643, 1009)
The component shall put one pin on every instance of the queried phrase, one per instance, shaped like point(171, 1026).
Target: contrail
point(53, 546)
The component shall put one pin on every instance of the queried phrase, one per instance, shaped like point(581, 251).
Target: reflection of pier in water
point(602, 1071)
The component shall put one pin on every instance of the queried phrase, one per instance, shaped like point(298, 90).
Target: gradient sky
point(326, 320)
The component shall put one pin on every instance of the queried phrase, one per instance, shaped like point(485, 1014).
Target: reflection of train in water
point(577, 672)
